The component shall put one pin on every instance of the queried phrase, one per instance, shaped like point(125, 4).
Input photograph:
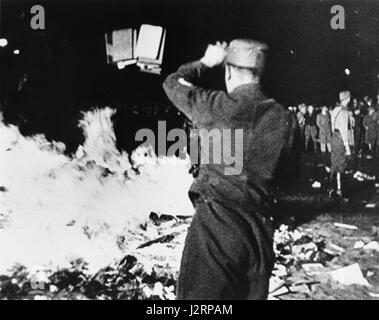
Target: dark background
point(67, 71)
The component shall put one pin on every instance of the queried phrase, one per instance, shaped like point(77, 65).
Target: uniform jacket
point(269, 135)
point(340, 121)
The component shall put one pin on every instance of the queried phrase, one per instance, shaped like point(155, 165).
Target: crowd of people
point(348, 129)
point(362, 135)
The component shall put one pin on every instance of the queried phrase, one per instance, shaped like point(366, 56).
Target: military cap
point(246, 53)
point(344, 95)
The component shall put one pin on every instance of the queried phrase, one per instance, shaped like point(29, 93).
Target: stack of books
point(124, 48)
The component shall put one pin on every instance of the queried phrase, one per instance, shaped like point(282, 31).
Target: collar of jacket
point(253, 90)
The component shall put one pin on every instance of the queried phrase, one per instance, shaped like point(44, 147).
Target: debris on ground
point(346, 226)
point(316, 185)
point(372, 245)
point(337, 248)
point(145, 274)
point(361, 176)
point(359, 244)
point(313, 262)
point(310, 262)
point(349, 275)
point(313, 268)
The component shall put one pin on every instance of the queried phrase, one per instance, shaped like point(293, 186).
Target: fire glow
point(56, 208)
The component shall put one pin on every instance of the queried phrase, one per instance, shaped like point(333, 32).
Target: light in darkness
point(3, 42)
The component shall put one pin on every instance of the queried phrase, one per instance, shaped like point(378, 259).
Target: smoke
point(56, 208)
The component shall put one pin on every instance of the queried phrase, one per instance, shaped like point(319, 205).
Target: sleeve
point(195, 102)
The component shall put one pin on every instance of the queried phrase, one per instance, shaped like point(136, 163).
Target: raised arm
point(196, 102)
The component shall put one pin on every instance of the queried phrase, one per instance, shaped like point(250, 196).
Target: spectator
point(325, 130)
point(355, 103)
point(358, 130)
point(301, 121)
point(370, 123)
point(310, 127)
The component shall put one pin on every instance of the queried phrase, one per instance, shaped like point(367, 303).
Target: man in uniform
point(340, 118)
point(340, 140)
point(228, 251)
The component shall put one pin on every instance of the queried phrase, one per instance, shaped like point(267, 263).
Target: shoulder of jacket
point(278, 110)
point(271, 103)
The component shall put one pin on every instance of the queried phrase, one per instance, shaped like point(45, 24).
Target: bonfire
point(56, 209)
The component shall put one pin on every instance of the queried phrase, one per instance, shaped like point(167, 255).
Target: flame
point(56, 208)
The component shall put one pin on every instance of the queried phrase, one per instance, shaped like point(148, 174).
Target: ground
point(316, 218)
point(322, 227)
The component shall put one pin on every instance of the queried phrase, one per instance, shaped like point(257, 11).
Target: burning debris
point(150, 272)
point(100, 144)
point(56, 208)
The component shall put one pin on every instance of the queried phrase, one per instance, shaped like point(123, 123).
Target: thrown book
point(124, 48)
point(120, 46)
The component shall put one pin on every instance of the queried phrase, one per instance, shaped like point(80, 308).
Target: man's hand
point(214, 55)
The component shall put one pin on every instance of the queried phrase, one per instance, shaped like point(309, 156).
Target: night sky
point(67, 70)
